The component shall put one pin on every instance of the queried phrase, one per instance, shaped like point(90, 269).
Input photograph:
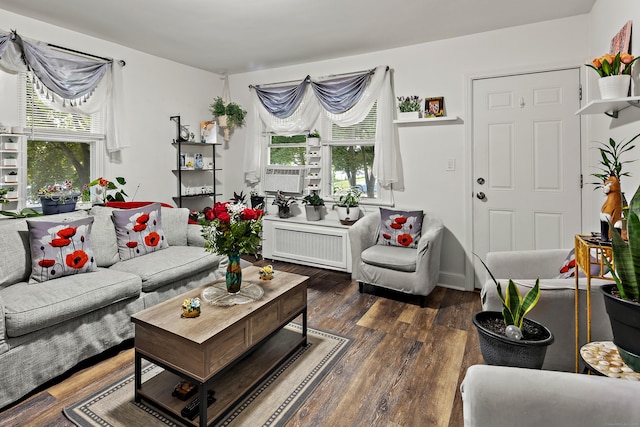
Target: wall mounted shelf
point(610, 107)
point(429, 121)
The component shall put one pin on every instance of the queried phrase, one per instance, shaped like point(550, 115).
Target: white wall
point(606, 19)
point(438, 69)
point(155, 89)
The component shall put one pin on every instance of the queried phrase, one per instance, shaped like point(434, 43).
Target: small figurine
point(191, 307)
point(266, 272)
point(611, 211)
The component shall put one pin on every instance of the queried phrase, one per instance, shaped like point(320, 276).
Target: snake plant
point(626, 255)
point(514, 306)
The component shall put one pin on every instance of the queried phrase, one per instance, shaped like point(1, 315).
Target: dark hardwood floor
point(404, 367)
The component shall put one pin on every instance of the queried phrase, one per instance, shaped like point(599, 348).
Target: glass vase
point(233, 277)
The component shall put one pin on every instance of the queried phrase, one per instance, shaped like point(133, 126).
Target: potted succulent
point(257, 201)
point(348, 205)
point(284, 203)
point(10, 160)
point(3, 195)
point(409, 107)
point(622, 299)
point(58, 198)
point(615, 73)
point(313, 138)
point(228, 115)
point(508, 338)
point(314, 204)
point(11, 193)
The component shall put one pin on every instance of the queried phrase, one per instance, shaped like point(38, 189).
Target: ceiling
point(235, 36)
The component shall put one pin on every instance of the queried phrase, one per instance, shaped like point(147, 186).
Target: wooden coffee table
point(228, 349)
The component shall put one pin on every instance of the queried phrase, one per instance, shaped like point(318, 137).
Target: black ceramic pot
point(284, 211)
point(624, 317)
point(499, 350)
point(257, 202)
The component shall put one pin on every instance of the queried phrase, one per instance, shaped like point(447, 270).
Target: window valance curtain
point(82, 85)
point(344, 101)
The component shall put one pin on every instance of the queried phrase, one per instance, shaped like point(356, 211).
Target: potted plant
point(11, 177)
point(284, 203)
point(409, 107)
point(11, 193)
point(313, 206)
point(622, 299)
point(313, 138)
point(228, 115)
point(507, 338)
point(3, 195)
point(104, 186)
point(348, 205)
point(10, 160)
point(257, 201)
point(58, 198)
point(615, 73)
point(610, 171)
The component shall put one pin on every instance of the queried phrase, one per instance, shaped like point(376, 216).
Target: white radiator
point(321, 246)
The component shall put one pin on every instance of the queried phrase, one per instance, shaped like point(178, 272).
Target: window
point(60, 145)
point(287, 150)
point(350, 156)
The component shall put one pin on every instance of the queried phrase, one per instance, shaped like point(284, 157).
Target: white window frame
point(95, 138)
point(384, 196)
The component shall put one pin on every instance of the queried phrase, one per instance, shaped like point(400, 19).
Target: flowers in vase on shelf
point(231, 228)
point(613, 65)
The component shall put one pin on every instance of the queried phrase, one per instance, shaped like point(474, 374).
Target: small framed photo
point(434, 107)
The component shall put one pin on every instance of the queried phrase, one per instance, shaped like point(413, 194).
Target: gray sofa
point(556, 307)
point(47, 328)
point(502, 396)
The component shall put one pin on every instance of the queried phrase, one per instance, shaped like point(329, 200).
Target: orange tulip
point(596, 63)
point(609, 58)
point(626, 58)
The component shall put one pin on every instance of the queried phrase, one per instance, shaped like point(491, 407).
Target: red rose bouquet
point(232, 228)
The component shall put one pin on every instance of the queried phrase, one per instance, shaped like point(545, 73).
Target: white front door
point(526, 162)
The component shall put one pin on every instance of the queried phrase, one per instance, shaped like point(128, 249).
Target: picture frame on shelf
point(621, 41)
point(434, 107)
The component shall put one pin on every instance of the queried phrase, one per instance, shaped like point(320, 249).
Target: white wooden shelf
point(427, 120)
point(610, 107)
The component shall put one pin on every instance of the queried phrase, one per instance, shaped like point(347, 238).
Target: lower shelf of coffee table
point(230, 385)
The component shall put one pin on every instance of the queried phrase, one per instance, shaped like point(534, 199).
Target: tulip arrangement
point(610, 65)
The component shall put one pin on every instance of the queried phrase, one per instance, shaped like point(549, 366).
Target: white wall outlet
point(451, 164)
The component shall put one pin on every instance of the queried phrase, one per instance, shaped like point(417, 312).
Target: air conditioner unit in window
point(288, 179)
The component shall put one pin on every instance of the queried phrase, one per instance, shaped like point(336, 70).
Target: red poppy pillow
point(139, 231)
point(400, 228)
point(60, 248)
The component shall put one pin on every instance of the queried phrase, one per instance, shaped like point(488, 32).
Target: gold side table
point(589, 252)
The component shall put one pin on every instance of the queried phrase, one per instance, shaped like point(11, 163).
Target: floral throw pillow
point(139, 231)
point(400, 228)
point(60, 248)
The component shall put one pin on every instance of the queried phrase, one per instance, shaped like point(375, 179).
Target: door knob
point(480, 180)
point(480, 195)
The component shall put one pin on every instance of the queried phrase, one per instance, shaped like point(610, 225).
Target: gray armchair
point(409, 270)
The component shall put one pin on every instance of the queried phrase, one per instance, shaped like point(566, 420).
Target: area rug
point(271, 403)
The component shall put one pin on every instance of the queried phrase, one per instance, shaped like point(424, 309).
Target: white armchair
point(410, 270)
